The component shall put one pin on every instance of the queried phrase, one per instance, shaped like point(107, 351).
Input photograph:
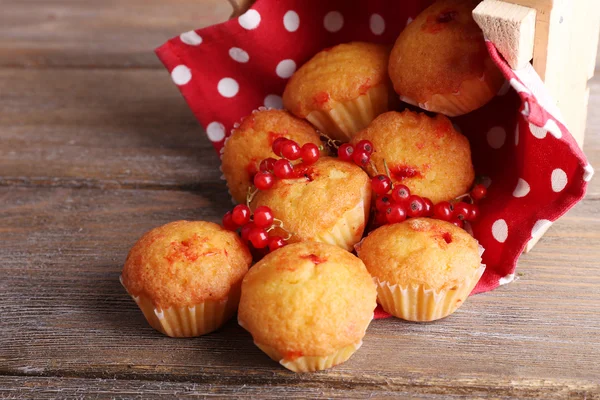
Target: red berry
point(228, 222)
point(258, 237)
point(241, 214)
point(245, 232)
point(361, 158)
point(400, 194)
point(380, 218)
point(478, 192)
point(461, 210)
point(364, 145)
point(428, 212)
point(345, 152)
point(310, 153)
point(275, 242)
point(290, 150)
point(458, 222)
point(381, 184)
point(382, 203)
point(395, 213)
point(283, 169)
point(267, 164)
point(443, 210)
point(263, 217)
point(474, 214)
point(264, 180)
point(278, 144)
point(416, 206)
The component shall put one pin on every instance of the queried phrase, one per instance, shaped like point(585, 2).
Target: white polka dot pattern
point(291, 21)
point(273, 101)
point(181, 75)
point(507, 279)
point(285, 69)
point(333, 21)
point(192, 38)
point(377, 24)
point(228, 87)
point(540, 226)
point(500, 230)
point(559, 180)
point(239, 55)
point(250, 19)
point(522, 188)
point(215, 131)
point(588, 172)
point(496, 137)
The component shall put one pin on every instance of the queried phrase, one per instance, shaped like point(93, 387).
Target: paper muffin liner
point(344, 119)
point(189, 321)
point(347, 231)
point(420, 304)
point(472, 94)
point(311, 363)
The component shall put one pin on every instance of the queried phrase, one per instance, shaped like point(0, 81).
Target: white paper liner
point(346, 232)
point(420, 304)
point(347, 118)
point(311, 363)
point(191, 321)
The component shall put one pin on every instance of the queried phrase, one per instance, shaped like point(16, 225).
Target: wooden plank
point(100, 128)
point(63, 249)
point(43, 33)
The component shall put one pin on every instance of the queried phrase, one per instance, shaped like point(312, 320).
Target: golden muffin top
point(184, 263)
point(307, 299)
point(426, 154)
point(340, 73)
point(439, 50)
point(418, 251)
point(251, 143)
point(317, 198)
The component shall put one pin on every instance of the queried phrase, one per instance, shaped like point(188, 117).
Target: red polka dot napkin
point(533, 168)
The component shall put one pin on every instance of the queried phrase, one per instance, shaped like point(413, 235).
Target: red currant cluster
point(288, 150)
point(254, 228)
point(359, 154)
point(395, 203)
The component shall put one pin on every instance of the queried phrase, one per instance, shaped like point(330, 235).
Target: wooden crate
point(558, 37)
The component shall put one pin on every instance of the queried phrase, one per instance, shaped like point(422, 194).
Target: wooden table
point(97, 147)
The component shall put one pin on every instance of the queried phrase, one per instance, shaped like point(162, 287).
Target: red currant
point(241, 214)
point(381, 184)
point(443, 210)
point(364, 145)
point(416, 206)
point(478, 192)
point(474, 214)
point(275, 242)
point(382, 203)
point(345, 152)
point(245, 232)
point(380, 218)
point(400, 194)
point(428, 212)
point(361, 158)
point(291, 150)
point(263, 217)
point(278, 144)
point(395, 213)
point(264, 180)
point(267, 164)
point(258, 237)
point(228, 222)
point(461, 211)
point(310, 153)
point(458, 222)
point(283, 169)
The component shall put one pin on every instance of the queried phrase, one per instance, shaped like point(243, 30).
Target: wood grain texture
point(117, 34)
point(65, 314)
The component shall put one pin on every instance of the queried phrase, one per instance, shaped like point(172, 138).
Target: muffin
point(327, 202)
point(424, 268)
point(186, 276)
point(424, 153)
point(251, 143)
point(440, 62)
point(341, 89)
point(308, 305)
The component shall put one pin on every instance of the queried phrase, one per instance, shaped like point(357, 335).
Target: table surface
point(98, 146)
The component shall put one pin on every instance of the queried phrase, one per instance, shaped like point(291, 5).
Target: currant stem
point(252, 190)
point(280, 226)
point(387, 170)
